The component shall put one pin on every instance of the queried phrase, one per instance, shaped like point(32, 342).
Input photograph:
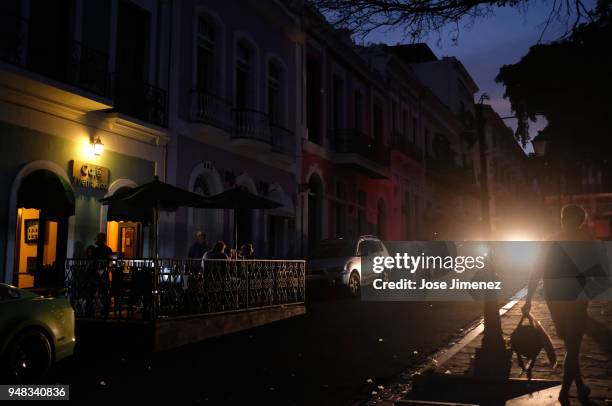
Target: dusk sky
point(490, 43)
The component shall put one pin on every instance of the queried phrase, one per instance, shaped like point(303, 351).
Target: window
point(206, 70)
point(379, 123)
point(245, 75)
point(276, 105)
point(359, 110)
point(338, 102)
point(313, 98)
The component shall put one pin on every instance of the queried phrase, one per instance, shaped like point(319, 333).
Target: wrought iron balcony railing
point(74, 64)
point(211, 109)
point(353, 141)
point(140, 100)
point(252, 124)
point(409, 148)
point(149, 289)
point(450, 173)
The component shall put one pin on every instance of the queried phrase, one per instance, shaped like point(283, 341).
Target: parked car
point(337, 262)
point(35, 332)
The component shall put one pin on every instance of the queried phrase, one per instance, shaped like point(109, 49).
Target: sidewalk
point(596, 358)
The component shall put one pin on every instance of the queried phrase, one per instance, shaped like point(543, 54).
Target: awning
point(119, 211)
point(46, 191)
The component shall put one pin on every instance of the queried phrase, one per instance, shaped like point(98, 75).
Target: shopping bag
point(528, 340)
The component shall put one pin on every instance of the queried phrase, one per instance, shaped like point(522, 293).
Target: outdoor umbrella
point(157, 196)
point(238, 199)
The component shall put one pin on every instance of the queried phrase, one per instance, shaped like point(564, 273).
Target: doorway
point(315, 212)
point(44, 203)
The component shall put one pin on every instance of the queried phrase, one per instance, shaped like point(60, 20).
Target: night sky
point(502, 38)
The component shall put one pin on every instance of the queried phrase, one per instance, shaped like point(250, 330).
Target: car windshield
point(334, 249)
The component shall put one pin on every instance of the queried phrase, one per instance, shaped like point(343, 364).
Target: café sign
point(89, 176)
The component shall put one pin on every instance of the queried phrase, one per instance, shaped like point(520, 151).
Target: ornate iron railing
point(211, 109)
point(140, 100)
point(409, 148)
point(252, 124)
point(353, 141)
point(75, 63)
point(147, 289)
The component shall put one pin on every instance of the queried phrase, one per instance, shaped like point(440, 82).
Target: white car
point(337, 262)
point(35, 332)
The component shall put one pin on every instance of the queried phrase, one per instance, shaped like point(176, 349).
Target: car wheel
point(354, 284)
point(29, 356)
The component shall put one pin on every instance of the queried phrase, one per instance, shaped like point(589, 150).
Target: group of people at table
point(219, 250)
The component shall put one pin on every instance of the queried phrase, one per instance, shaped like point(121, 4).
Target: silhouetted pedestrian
point(562, 285)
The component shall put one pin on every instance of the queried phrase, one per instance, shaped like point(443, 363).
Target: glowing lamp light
point(96, 146)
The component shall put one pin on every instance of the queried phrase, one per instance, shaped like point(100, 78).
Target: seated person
point(246, 251)
point(217, 252)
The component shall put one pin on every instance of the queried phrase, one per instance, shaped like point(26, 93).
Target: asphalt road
point(323, 357)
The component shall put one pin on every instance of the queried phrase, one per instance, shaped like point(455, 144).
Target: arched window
point(276, 88)
point(208, 55)
point(246, 75)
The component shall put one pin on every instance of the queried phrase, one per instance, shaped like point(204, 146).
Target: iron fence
point(148, 289)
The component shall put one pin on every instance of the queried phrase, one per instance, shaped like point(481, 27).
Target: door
point(129, 239)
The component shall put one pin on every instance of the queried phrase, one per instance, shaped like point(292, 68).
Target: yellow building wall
point(112, 235)
point(26, 250)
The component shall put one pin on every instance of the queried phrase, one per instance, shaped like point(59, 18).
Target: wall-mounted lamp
point(96, 145)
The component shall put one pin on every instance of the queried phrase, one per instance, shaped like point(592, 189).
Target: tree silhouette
point(569, 83)
point(417, 18)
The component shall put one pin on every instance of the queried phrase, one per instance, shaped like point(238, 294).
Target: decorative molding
point(132, 128)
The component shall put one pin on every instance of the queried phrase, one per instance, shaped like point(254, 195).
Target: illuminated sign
point(90, 176)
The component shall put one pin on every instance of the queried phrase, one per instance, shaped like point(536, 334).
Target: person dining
point(246, 251)
point(217, 252)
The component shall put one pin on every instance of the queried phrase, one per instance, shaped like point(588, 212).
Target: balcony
point(210, 109)
point(254, 129)
point(74, 64)
point(356, 149)
point(448, 173)
point(140, 100)
point(252, 125)
point(410, 149)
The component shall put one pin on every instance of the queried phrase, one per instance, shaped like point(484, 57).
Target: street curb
point(443, 355)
